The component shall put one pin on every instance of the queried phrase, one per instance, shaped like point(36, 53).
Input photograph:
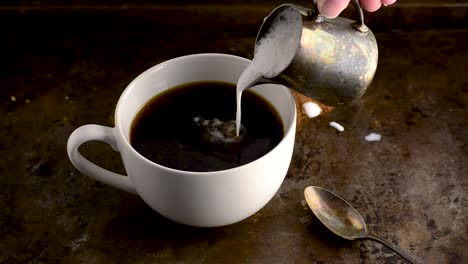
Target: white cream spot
point(311, 109)
point(337, 126)
point(373, 137)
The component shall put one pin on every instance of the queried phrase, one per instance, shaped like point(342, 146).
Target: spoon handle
point(395, 248)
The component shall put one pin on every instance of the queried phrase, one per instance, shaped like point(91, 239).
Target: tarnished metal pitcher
point(336, 60)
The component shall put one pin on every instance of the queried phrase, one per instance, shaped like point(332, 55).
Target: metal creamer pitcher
point(335, 61)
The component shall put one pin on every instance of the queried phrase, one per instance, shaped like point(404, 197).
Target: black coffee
point(190, 128)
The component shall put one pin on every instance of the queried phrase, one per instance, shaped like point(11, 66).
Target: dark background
point(172, 2)
point(64, 64)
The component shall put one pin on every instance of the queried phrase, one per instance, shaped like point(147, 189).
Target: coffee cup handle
point(105, 134)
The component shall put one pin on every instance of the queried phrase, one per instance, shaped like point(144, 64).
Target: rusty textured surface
point(61, 71)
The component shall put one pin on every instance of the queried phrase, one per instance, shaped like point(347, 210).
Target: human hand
point(332, 8)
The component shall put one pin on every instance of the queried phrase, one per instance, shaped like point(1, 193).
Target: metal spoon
point(343, 220)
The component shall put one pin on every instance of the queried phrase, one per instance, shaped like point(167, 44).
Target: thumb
point(331, 8)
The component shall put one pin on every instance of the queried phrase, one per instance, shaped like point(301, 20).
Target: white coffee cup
point(205, 199)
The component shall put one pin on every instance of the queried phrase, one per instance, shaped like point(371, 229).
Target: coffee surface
point(191, 127)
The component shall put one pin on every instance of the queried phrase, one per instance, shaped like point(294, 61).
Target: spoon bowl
point(342, 219)
point(335, 213)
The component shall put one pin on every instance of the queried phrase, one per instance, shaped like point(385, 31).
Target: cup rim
point(118, 127)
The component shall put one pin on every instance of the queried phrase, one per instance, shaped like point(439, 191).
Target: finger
point(331, 8)
point(371, 5)
point(388, 2)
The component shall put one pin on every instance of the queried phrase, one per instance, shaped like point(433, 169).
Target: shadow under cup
point(205, 199)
